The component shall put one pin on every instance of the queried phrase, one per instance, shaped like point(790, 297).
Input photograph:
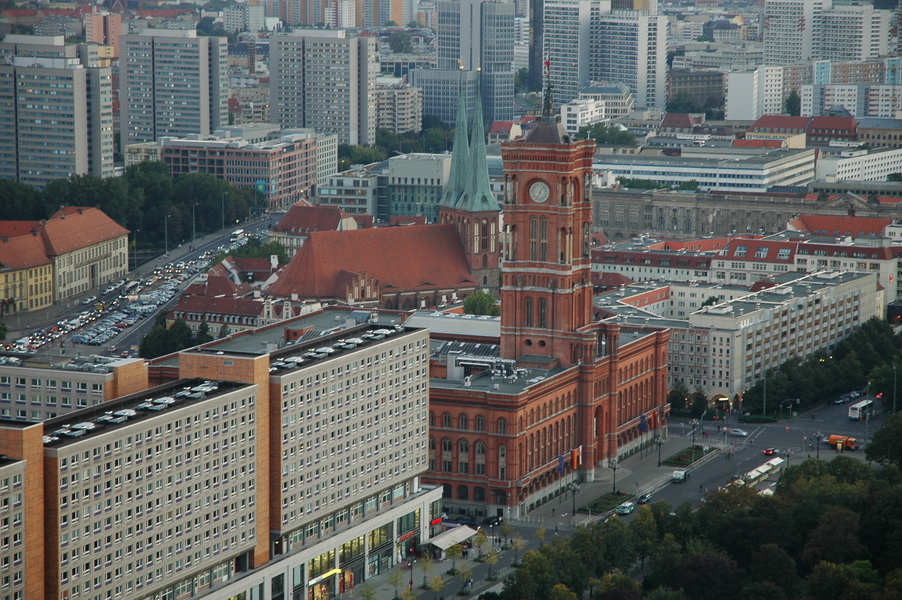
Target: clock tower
point(546, 294)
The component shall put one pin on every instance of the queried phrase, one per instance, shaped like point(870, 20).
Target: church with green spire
point(468, 202)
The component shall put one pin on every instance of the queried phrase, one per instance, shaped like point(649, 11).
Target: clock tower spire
point(546, 294)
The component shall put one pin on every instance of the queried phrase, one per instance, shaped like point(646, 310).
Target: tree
point(521, 81)
point(203, 334)
point(711, 301)
point(3, 331)
point(395, 578)
point(480, 540)
point(481, 303)
point(426, 564)
point(793, 104)
point(368, 593)
point(774, 565)
point(491, 559)
point(665, 593)
point(709, 576)
point(541, 532)
point(454, 552)
point(465, 573)
point(886, 443)
point(436, 584)
point(645, 533)
point(604, 134)
point(400, 43)
point(518, 543)
point(506, 532)
point(677, 396)
point(561, 592)
point(223, 331)
point(835, 538)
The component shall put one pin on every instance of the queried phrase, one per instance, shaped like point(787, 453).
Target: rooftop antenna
point(547, 105)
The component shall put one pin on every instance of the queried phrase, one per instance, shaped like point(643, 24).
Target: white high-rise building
point(568, 26)
point(325, 80)
point(791, 28)
point(172, 83)
point(754, 93)
point(630, 47)
point(56, 110)
point(854, 33)
point(801, 30)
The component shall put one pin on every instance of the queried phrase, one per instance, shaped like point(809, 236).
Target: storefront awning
point(452, 537)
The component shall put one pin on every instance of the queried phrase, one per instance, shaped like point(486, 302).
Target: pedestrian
point(700, 488)
point(552, 511)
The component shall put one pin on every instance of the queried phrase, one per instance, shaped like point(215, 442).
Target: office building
point(797, 31)
point(567, 25)
point(325, 80)
point(630, 47)
point(754, 93)
point(758, 171)
point(172, 83)
point(224, 486)
point(726, 348)
point(860, 101)
point(56, 110)
point(860, 165)
point(283, 170)
point(104, 28)
point(399, 106)
point(792, 30)
point(476, 37)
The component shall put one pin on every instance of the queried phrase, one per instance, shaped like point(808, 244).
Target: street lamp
point(574, 489)
point(193, 225)
point(894, 389)
point(222, 197)
point(659, 441)
point(613, 463)
point(818, 436)
point(166, 233)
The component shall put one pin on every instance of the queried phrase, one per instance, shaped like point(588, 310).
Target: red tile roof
point(22, 252)
point(406, 220)
point(74, 227)
point(840, 226)
point(301, 219)
point(775, 123)
point(217, 285)
point(399, 259)
point(364, 221)
point(678, 122)
point(760, 250)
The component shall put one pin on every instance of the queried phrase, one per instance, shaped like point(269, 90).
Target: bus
point(237, 235)
point(862, 410)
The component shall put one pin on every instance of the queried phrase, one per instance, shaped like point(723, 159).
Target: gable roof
point(418, 257)
point(302, 218)
point(840, 226)
point(204, 305)
point(217, 285)
point(22, 252)
point(74, 227)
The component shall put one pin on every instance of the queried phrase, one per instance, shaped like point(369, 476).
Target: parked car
point(463, 520)
point(492, 521)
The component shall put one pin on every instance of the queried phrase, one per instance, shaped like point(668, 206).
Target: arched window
point(502, 426)
point(527, 308)
point(462, 422)
point(431, 453)
point(479, 448)
point(463, 456)
point(447, 455)
point(480, 423)
point(446, 420)
point(543, 236)
point(502, 462)
point(533, 237)
point(484, 239)
point(543, 310)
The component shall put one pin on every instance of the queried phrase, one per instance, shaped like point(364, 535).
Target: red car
point(770, 451)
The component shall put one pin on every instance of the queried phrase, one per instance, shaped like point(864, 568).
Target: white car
point(739, 433)
point(626, 508)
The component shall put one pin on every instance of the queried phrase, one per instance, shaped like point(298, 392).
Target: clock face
point(539, 191)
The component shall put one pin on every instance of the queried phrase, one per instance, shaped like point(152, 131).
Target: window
point(463, 492)
point(462, 422)
point(446, 420)
point(480, 423)
point(502, 426)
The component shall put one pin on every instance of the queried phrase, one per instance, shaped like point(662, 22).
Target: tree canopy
point(605, 134)
point(481, 303)
point(830, 530)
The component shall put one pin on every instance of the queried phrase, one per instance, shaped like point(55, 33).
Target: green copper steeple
point(460, 153)
point(478, 196)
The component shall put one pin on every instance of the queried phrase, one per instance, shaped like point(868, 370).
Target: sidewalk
point(639, 472)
